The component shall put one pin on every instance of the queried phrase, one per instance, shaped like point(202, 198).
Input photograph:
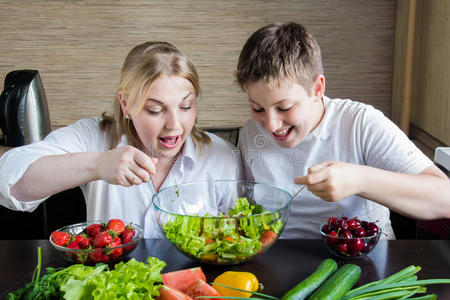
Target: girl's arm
point(55, 173)
point(422, 196)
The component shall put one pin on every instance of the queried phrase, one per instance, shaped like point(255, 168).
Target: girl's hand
point(125, 166)
point(331, 180)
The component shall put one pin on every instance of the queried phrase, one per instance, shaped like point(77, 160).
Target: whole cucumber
point(312, 282)
point(335, 287)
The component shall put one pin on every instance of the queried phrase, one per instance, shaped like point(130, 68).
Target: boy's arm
point(422, 196)
point(54, 173)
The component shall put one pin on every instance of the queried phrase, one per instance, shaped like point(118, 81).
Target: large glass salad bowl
point(222, 221)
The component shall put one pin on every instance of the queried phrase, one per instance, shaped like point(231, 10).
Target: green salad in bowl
point(223, 221)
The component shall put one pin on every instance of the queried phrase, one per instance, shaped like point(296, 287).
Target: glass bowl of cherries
point(350, 238)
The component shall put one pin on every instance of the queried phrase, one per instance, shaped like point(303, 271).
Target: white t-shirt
point(220, 160)
point(350, 132)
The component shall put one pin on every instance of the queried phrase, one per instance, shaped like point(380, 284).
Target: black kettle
point(24, 117)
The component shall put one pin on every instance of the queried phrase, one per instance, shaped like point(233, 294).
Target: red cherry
point(356, 245)
point(353, 253)
point(342, 247)
point(367, 246)
point(326, 229)
point(332, 221)
point(359, 232)
point(372, 227)
point(352, 224)
point(331, 239)
point(342, 224)
point(346, 234)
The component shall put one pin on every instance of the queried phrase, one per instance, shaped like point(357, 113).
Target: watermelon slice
point(168, 293)
point(201, 288)
point(182, 279)
point(267, 238)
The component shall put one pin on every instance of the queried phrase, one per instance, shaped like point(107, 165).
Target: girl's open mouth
point(282, 135)
point(169, 142)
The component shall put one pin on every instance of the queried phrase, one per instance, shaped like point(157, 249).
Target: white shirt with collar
point(350, 132)
point(220, 160)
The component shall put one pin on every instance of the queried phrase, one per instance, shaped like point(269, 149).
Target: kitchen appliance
point(24, 117)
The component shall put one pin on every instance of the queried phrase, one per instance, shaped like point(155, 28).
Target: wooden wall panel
point(431, 88)
point(398, 73)
point(79, 46)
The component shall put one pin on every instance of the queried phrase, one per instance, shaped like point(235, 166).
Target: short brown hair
point(144, 64)
point(277, 52)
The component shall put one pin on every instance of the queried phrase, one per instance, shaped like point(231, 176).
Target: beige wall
point(430, 95)
point(79, 46)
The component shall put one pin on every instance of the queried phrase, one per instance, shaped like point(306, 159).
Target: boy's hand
point(331, 180)
point(125, 166)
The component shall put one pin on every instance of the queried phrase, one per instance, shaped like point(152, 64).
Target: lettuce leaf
point(225, 239)
point(130, 280)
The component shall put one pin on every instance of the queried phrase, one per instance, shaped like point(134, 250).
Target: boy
point(343, 151)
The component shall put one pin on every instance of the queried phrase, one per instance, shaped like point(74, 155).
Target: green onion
point(411, 284)
point(401, 285)
point(392, 295)
point(234, 288)
point(405, 273)
point(231, 297)
point(404, 276)
point(399, 276)
point(384, 291)
point(37, 270)
point(426, 297)
point(363, 287)
point(420, 290)
point(412, 278)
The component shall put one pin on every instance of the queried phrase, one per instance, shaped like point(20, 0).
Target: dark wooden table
point(279, 269)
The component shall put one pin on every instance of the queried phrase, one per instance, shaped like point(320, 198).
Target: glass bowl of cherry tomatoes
point(100, 241)
point(350, 238)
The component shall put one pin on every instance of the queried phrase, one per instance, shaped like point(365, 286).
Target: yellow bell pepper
point(241, 280)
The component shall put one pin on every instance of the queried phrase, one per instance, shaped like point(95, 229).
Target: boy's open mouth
point(283, 134)
point(169, 142)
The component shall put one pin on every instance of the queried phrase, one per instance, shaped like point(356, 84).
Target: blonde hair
point(144, 64)
point(277, 52)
